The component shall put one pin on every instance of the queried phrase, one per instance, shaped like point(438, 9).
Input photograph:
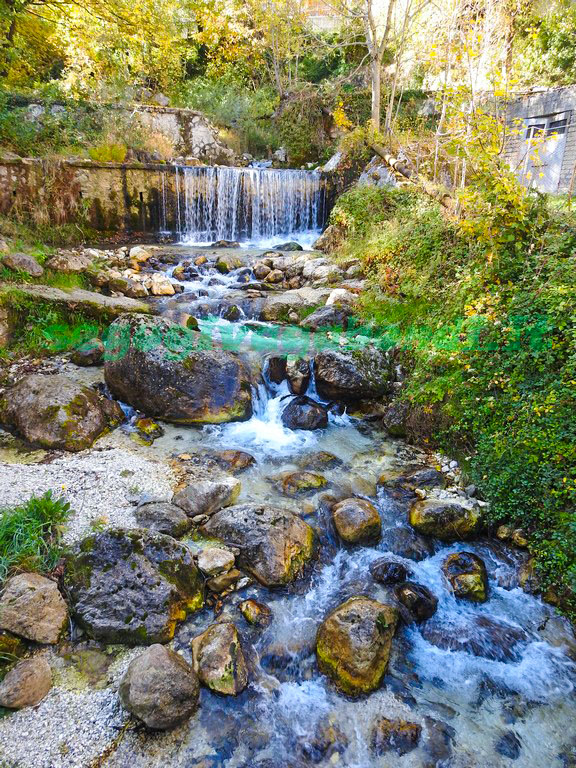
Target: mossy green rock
point(353, 644)
point(54, 411)
point(445, 520)
point(467, 575)
point(219, 661)
point(295, 483)
point(132, 586)
point(357, 521)
point(155, 366)
point(274, 543)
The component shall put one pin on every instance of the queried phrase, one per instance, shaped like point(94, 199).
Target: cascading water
point(248, 205)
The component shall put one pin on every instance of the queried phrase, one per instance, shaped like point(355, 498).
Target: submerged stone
point(295, 483)
point(132, 586)
point(353, 644)
point(397, 736)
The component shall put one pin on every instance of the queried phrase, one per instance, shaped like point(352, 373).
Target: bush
point(490, 339)
point(30, 535)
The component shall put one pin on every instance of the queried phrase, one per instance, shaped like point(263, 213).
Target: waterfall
point(248, 204)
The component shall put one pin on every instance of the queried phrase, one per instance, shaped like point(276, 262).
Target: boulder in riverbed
point(256, 613)
point(304, 413)
point(357, 521)
point(332, 316)
point(467, 575)
point(219, 660)
point(163, 517)
point(353, 644)
point(296, 483)
point(32, 607)
point(160, 688)
point(355, 375)
point(398, 736)
point(207, 496)
point(274, 543)
point(154, 365)
point(445, 519)
point(132, 586)
point(55, 411)
point(385, 571)
point(27, 684)
point(417, 601)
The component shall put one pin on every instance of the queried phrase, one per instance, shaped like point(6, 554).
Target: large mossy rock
point(55, 411)
point(160, 688)
point(132, 586)
point(356, 375)
point(445, 519)
point(219, 660)
point(153, 365)
point(274, 543)
point(353, 644)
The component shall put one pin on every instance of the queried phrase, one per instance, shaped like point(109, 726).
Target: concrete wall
point(557, 102)
point(109, 196)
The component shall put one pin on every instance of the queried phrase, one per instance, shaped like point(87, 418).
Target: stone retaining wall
point(109, 196)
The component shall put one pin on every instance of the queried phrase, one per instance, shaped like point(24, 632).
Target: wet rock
point(215, 560)
point(233, 461)
point(356, 375)
point(439, 743)
point(261, 271)
point(224, 581)
point(295, 483)
point(388, 572)
point(397, 736)
point(304, 413)
point(232, 313)
point(132, 586)
point(332, 316)
point(226, 244)
point(508, 745)
point(484, 637)
point(357, 521)
point(290, 246)
point(147, 430)
point(405, 542)
point(353, 644)
point(89, 353)
point(445, 520)
point(519, 538)
point(160, 688)
point(32, 607)
point(467, 575)
point(163, 517)
point(276, 368)
point(207, 496)
point(419, 603)
point(274, 544)
point(256, 613)
point(26, 684)
point(426, 477)
point(319, 460)
point(55, 411)
point(298, 375)
point(327, 741)
point(155, 367)
point(395, 417)
point(219, 660)
point(22, 262)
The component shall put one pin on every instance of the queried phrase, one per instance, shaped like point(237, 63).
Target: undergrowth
point(30, 535)
point(490, 341)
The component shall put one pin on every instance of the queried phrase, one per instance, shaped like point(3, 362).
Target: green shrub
point(108, 153)
point(30, 535)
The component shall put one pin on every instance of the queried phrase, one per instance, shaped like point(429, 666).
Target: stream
point(491, 684)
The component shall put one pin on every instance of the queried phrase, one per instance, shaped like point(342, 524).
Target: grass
point(30, 535)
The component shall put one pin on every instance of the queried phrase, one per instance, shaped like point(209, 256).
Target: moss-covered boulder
point(156, 366)
point(257, 614)
point(132, 586)
point(444, 519)
point(274, 543)
point(354, 375)
point(357, 521)
point(219, 661)
point(467, 575)
point(296, 483)
point(55, 411)
point(353, 644)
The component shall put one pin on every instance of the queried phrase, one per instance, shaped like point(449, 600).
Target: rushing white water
point(248, 205)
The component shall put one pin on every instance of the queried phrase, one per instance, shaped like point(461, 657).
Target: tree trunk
point(376, 76)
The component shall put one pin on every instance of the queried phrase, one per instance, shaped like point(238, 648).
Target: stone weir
point(145, 197)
